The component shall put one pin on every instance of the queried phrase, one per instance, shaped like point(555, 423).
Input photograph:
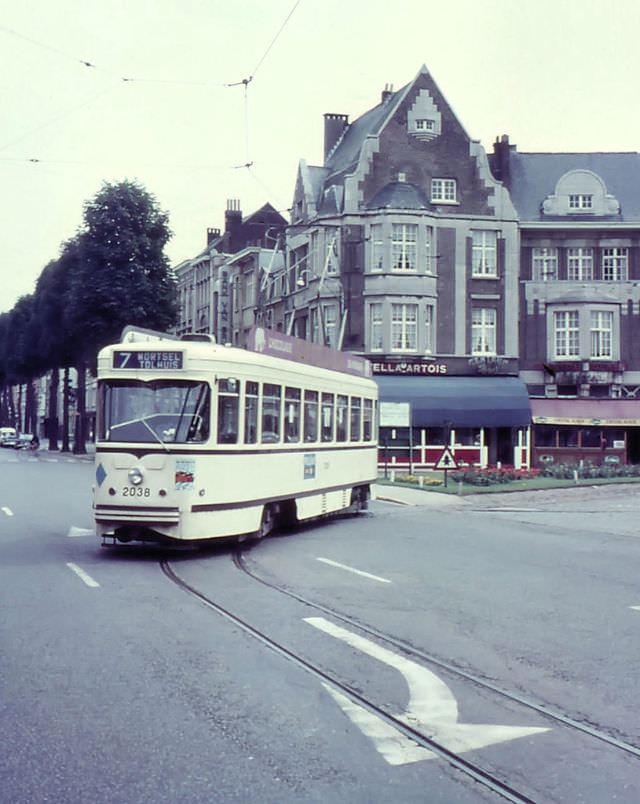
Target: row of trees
point(112, 273)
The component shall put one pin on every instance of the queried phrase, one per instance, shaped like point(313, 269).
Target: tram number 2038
point(135, 491)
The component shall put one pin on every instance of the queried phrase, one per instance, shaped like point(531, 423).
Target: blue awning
point(463, 401)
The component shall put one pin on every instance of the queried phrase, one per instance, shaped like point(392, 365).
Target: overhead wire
point(247, 165)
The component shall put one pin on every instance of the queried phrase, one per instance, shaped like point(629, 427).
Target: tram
point(197, 441)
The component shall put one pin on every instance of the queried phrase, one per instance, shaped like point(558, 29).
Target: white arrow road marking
point(6, 510)
point(352, 569)
point(394, 746)
point(76, 533)
point(432, 707)
point(82, 575)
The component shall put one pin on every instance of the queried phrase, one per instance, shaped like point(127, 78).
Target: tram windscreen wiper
point(155, 435)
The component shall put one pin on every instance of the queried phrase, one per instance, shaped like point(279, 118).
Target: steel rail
point(479, 775)
point(428, 658)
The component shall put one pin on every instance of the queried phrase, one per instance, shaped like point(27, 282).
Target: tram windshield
point(175, 412)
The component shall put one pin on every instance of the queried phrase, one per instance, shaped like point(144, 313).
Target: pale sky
point(556, 75)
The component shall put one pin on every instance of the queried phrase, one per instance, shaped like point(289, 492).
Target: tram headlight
point(135, 477)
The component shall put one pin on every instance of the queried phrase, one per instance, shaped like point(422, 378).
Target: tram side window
point(228, 405)
point(342, 411)
point(367, 420)
point(251, 413)
point(271, 397)
point(291, 415)
point(310, 416)
point(356, 409)
point(327, 418)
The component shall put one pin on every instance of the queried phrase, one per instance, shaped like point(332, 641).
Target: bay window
point(601, 333)
point(584, 332)
point(566, 333)
point(375, 327)
point(404, 327)
point(403, 246)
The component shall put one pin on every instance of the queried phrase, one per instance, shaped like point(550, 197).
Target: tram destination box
point(146, 360)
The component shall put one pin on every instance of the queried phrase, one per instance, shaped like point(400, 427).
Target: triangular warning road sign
point(446, 460)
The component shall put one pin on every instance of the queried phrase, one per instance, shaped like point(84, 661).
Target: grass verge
point(532, 484)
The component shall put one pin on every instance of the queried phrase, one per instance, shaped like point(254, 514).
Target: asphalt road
point(116, 685)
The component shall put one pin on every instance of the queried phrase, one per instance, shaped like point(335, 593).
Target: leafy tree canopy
point(122, 275)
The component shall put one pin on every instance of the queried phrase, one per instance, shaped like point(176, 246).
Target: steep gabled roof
point(534, 176)
point(344, 157)
point(266, 214)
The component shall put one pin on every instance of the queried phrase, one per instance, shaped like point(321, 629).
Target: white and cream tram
point(197, 441)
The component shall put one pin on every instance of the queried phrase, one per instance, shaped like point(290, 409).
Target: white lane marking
point(432, 706)
point(637, 608)
point(76, 533)
point(352, 569)
point(82, 574)
point(6, 510)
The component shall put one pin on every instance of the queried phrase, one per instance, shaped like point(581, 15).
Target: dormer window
point(424, 121)
point(579, 201)
point(580, 192)
point(444, 191)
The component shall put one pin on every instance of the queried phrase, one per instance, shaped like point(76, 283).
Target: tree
point(122, 276)
point(54, 337)
point(20, 361)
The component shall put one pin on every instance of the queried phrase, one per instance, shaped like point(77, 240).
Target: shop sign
point(585, 421)
point(395, 414)
point(453, 366)
point(419, 368)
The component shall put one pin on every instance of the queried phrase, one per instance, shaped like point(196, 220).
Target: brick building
point(404, 247)
point(579, 221)
point(497, 296)
point(211, 286)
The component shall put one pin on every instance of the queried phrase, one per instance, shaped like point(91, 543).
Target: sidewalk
point(89, 446)
point(402, 495)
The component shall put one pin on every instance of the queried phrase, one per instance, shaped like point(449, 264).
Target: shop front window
point(545, 436)
point(568, 436)
point(591, 437)
point(468, 436)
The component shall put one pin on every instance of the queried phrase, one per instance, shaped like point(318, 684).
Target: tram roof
point(199, 355)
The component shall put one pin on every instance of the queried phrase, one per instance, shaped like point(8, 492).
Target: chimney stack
point(232, 225)
point(212, 234)
point(334, 127)
point(500, 159)
point(387, 92)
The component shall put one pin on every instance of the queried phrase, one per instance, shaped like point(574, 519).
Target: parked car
point(23, 441)
point(8, 437)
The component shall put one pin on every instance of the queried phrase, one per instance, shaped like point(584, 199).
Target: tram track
point(429, 659)
point(483, 777)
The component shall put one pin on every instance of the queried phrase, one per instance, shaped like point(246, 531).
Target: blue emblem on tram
point(100, 474)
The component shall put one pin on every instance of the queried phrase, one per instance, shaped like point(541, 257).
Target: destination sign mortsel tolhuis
point(147, 360)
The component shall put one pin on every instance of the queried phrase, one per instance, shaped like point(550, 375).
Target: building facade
point(579, 220)
point(218, 290)
point(405, 248)
point(496, 295)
